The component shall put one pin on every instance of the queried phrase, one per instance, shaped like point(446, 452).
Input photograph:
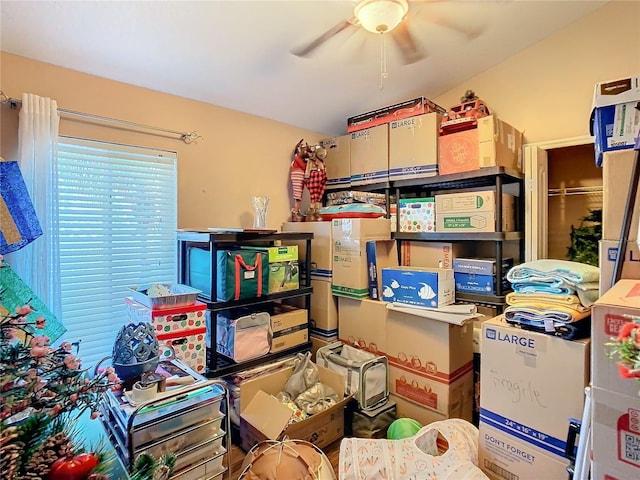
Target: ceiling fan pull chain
point(383, 61)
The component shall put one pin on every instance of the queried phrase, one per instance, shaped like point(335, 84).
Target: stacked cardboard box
point(615, 420)
point(616, 176)
point(525, 409)
point(338, 161)
point(473, 212)
point(492, 143)
point(349, 267)
point(430, 362)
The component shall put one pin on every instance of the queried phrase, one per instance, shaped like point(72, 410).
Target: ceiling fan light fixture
point(380, 16)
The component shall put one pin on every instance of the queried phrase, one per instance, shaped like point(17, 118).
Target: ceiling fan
point(386, 17)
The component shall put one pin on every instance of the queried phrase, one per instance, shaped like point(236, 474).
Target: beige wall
point(239, 156)
point(547, 90)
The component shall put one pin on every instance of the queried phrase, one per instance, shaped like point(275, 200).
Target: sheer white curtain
point(38, 263)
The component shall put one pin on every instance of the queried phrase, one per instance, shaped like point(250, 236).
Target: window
point(117, 229)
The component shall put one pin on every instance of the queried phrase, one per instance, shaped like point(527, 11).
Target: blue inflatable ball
point(403, 428)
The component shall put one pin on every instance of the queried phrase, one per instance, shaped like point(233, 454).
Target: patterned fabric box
point(180, 331)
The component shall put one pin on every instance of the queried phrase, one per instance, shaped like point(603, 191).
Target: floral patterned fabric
point(414, 458)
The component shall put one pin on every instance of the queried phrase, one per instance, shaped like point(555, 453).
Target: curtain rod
point(186, 137)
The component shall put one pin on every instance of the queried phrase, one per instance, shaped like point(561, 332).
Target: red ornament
point(72, 467)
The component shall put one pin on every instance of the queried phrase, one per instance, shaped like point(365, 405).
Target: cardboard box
point(473, 212)
point(459, 152)
point(615, 431)
point(338, 161)
point(398, 111)
point(478, 275)
point(608, 315)
point(286, 317)
point(417, 214)
point(380, 254)
point(363, 324)
point(349, 266)
point(431, 254)
point(370, 155)
point(289, 338)
point(431, 363)
point(601, 471)
point(465, 202)
point(321, 246)
point(408, 409)
point(519, 392)
point(284, 271)
point(616, 121)
point(502, 456)
point(492, 143)
point(608, 251)
point(323, 311)
point(263, 417)
point(452, 400)
point(413, 147)
point(616, 178)
point(317, 343)
point(427, 287)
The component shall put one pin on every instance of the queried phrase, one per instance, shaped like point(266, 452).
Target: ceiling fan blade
point(332, 32)
point(469, 33)
point(403, 38)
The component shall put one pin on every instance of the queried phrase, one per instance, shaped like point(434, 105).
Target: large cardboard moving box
point(263, 417)
point(370, 155)
point(350, 237)
point(532, 383)
point(615, 431)
point(413, 147)
point(338, 162)
point(321, 246)
point(608, 315)
point(616, 178)
point(608, 254)
point(363, 324)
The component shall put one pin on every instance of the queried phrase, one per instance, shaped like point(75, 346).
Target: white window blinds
point(117, 229)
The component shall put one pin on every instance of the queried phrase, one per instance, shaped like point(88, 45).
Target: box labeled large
point(321, 246)
point(413, 147)
point(284, 271)
point(607, 256)
point(338, 161)
point(616, 120)
point(519, 394)
point(417, 215)
point(263, 417)
point(616, 178)
point(363, 324)
point(350, 237)
point(608, 315)
point(370, 155)
point(406, 109)
point(615, 431)
point(503, 456)
point(427, 287)
point(431, 254)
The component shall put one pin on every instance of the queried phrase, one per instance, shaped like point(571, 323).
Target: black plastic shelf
point(241, 237)
point(247, 302)
point(226, 366)
point(457, 237)
point(481, 298)
point(475, 178)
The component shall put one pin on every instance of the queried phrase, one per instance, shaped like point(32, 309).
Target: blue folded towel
point(554, 272)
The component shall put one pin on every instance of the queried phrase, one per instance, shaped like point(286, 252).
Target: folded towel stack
point(553, 297)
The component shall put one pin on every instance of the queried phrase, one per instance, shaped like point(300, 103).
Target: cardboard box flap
point(275, 422)
point(625, 293)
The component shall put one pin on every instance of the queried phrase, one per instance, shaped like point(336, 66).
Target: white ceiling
point(237, 54)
